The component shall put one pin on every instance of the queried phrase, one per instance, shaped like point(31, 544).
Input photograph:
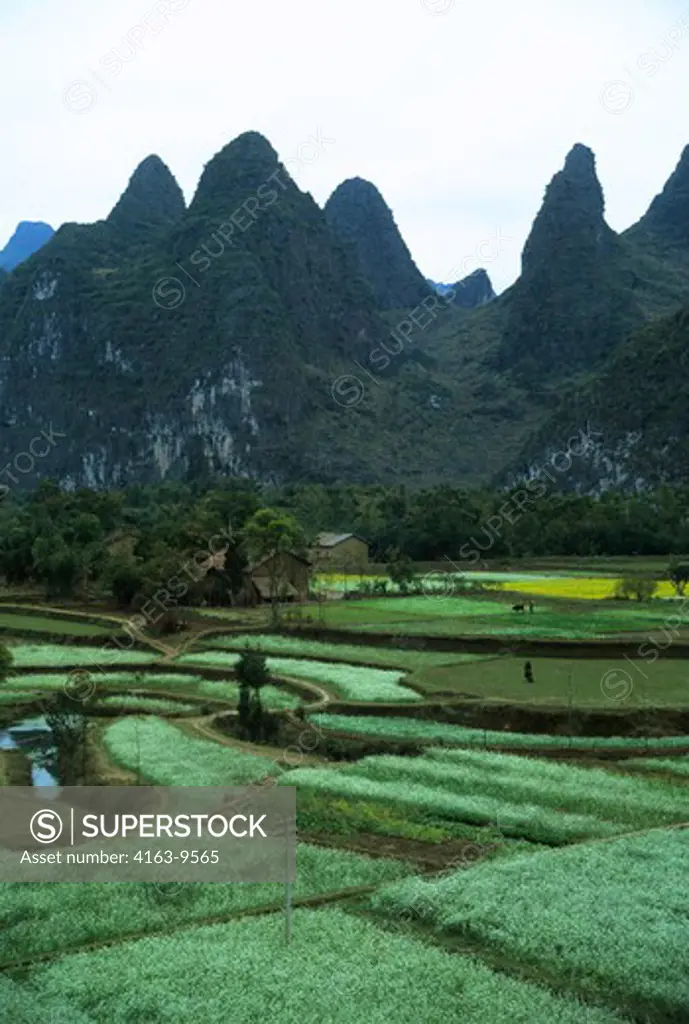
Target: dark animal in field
point(528, 672)
point(517, 607)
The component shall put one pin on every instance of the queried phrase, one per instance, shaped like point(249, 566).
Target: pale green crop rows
point(609, 917)
point(338, 970)
point(636, 803)
point(215, 659)
point(457, 735)
point(15, 696)
point(36, 917)
point(148, 680)
point(273, 697)
point(543, 801)
point(144, 680)
point(146, 704)
point(168, 757)
point(446, 802)
point(353, 682)
point(352, 653)
point(27, 655)
point(674, 765)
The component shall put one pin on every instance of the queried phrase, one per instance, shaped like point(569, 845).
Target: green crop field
point(338, 969)
point(353, 682)
point(187, 683)
point(42, 655)
point(15, 696)
point(14, 621)
point(390, 657)
point(146, 705)
point(538, 800)
point(609, 920)
point(56, 680)
point(484, 940)
point(166, 756)
point(585, 682)
point(671, 765)
point(273, 697)
point(387, 727)
point(457, 616)
point(83, 913)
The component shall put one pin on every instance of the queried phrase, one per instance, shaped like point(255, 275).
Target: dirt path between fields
point(426, 856)
point(203, 727)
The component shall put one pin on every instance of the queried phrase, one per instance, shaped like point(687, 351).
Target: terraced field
point(583, 683)
point(460, 736)
point(608, 920)
point(349, 681)
point(345, 968)
point(166, 756)
point(541, 801)
point(486, 616)
point(30, 655)
point(82, 914)
point(678, 766)
point(354, 654)
point(14, 622)
point(567, 918)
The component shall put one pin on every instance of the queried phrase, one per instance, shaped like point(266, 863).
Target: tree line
point(129, 542)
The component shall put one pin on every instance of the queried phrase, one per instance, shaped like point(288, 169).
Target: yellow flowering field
point(592, 588)
point(586, 588)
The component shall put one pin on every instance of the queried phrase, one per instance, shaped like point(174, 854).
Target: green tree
point(637, 587)
point(252, 675)
point(16, 558)
point(68, 723)
point(124, 578)
point(244, 709)
point(57, 564)
point(400, 569)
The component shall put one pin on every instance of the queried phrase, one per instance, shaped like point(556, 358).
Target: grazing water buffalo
point(517, 607)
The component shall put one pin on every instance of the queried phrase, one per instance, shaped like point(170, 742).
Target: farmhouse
point(286, 574)
point(343, 552)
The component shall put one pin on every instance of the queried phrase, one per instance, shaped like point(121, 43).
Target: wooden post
point(288, 912)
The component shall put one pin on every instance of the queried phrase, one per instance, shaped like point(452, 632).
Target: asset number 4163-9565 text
point(184, 857)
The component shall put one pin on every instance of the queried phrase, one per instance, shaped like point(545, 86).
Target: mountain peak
point(236, 172)
point(571, 303)
point(580, 162)
point(360, 217)
point(29, 236)
point(573, 203)
point(151, 200)
point(474, 290)
point(668, 215)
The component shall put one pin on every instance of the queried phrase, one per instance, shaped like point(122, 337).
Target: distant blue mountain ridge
point(28, 238)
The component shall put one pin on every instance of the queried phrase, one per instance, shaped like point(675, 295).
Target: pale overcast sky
point(459, 112)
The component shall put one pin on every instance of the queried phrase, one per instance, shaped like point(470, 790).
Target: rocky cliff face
point(164, 341)
point(636, 413)
point(238, 336)
point(360, 217)
point(27, 239)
